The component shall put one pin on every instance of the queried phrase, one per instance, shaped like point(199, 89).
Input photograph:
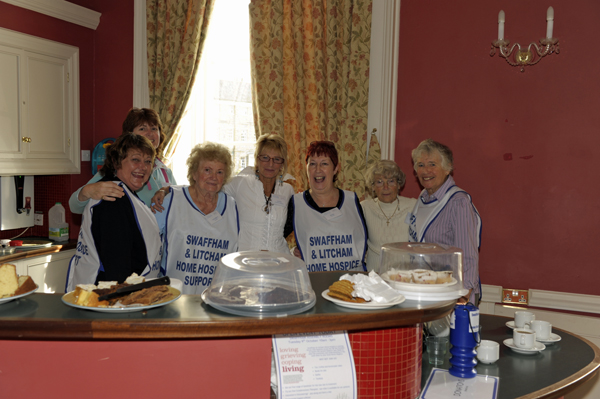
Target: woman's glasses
point(266, 159)
point(389, 182)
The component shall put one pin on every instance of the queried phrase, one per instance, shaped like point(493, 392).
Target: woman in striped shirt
point(444, 214)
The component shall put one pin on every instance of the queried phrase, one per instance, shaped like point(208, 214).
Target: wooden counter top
point(44, 316)
point(71, 244)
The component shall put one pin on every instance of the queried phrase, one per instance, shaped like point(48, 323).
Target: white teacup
point(488, 351)
point(542, 329)
point(523, 319)
point(523, 338)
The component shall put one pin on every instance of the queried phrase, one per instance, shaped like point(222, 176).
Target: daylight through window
point(220, 106)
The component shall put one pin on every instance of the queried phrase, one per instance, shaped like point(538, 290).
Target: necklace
point(267, 207)
point(384, 215)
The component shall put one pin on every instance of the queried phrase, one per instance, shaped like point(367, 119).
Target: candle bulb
point(501, 19)
point(550, 22)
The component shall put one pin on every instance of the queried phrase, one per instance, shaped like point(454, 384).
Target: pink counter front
point(189, 349)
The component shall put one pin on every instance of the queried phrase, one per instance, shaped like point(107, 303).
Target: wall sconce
point(525, 56)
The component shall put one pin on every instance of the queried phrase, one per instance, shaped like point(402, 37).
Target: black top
point(118, 239)
point(289, 223)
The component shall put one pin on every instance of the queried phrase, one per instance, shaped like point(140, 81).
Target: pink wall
point(539, 209)
point(208, 368)
point(106, 84)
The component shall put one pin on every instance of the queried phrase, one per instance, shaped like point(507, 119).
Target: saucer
point(511, 325)
point(551, 339)
point(538, 347)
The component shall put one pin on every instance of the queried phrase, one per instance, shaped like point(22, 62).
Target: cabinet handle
point(26, 139)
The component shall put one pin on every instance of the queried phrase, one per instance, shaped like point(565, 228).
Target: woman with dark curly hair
point(119, 237)
point(145, 122)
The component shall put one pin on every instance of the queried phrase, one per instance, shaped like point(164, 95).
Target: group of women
point(194, 226)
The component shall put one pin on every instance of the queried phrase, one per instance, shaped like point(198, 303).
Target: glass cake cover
point(425, 271)
point(260, 283)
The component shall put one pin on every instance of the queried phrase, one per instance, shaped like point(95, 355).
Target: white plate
point(70, 301)
point(12, 298)
point(551, 339)
point(417, 287)
point(362, 306)
point(537, 348)
point(448, 294)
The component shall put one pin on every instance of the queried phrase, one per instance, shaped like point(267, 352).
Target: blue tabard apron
point(417, 227)
point(195, 242)
point(428, 212)
point(334, 240)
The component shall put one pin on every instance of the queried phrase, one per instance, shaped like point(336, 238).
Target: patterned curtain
point(310, 71)
point(176, 34)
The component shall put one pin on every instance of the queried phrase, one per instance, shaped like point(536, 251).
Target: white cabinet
point(49, 272)
point(39, 106)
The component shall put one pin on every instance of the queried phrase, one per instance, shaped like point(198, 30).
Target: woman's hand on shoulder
point(102, 190)
point(158, 199)
point(296, 252)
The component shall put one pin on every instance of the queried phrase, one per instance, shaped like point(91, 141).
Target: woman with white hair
point(199, 224)
point(385, 212)
point(444, 214)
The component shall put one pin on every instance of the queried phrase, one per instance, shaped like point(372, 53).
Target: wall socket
point(38, 219)
point(515, 296)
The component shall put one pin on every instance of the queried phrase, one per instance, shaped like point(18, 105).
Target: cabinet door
point(50, 272)
point(21, 267)
point(46, 107)
point(39, 106)
point(10, 127)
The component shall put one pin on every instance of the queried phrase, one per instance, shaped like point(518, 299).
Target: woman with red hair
point(328, 222)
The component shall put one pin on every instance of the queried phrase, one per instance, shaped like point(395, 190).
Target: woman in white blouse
point(386, 211)
point(262, 197)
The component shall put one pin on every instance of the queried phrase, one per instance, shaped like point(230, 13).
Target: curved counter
point(45, 316)
point(552, 373)
point(198, 349)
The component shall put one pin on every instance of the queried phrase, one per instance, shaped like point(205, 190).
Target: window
point(229, 29)
point(220, 105)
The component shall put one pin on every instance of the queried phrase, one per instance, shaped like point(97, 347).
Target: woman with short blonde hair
point(262, 196)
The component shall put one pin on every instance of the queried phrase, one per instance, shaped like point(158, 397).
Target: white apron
point(195, 243)
point(417, 227)
point(85, 264)
point(334, 240)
